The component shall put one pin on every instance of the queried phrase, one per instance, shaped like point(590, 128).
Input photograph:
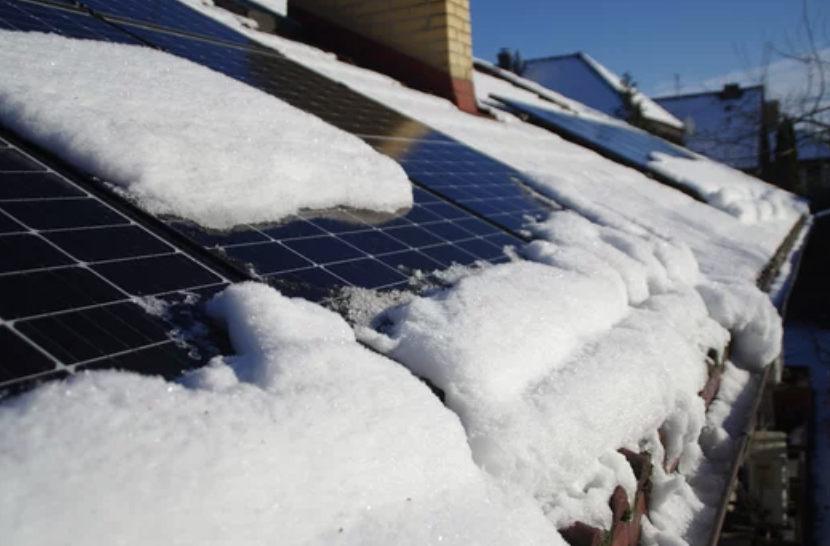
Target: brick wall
point(435, 34)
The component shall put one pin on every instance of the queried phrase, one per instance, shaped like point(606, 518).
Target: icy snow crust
point(304, 438)
point(183, 140)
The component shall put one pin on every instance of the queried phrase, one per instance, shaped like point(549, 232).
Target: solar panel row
point(73, 273)
point(306, 256)
point(619, 142)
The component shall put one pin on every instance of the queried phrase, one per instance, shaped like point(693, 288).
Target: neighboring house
point(581, 77)
point(727, 125)
point(814, 164)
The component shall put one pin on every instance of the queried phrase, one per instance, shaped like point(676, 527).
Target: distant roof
point(722, 125)
point(810, 149)
point(583, 78)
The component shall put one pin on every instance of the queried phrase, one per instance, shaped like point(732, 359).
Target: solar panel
point(72, 272)
point(311, 254)
point(169, 14)
point(625, 143)
point(29, 16)
point(458, 173)
point(326, 252)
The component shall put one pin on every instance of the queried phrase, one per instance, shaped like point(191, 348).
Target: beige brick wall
point(436, 32)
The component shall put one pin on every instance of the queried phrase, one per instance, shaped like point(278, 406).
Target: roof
point(350, 374)
point(722, 126)
point(581, 77)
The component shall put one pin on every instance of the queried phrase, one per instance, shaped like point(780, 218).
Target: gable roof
point(724, 126)
point(581, 77)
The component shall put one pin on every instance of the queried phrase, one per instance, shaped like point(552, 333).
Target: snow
point(518, 347)
point(280, 7)
point(583, 79)
point(304, 437)
point(651, 109)
point(182, 140)
point(682, 506)
point(743, 196)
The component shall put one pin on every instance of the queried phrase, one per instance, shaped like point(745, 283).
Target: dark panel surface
point(630, 144)
point(29, 16)
point(71, 268)
point(169, 14)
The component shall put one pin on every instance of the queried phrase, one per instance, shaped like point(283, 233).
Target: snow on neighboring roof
point(743, 196)
point(491, 86)
point(305, 437)
point(584, 79)
point(176, 137)
point(723, 127)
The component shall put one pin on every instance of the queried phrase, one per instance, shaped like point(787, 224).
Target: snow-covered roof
point(600, 305)
point(722, 126)
point(582, 78)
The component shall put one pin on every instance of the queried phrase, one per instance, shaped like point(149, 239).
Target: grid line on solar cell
point(167, 14)
point(70, 276)
point(31, 16)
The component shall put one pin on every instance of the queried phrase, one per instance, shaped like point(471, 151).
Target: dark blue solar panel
point(456, 172)
point(350, 250)
point(71, 271)
point(28, 16)
point(169, 14)
point(624, 143)
point(311, 254)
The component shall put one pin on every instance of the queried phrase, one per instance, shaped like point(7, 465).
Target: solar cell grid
point(317, 252)
point(71, 271)
point(29, 16)
point(632, 145)
point(169, 14)
point(326, 252)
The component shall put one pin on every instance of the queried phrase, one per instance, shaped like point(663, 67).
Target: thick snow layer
point(739, 194)
point(682, 505)
point(305, 438)
point(551, 371)
point(183, 140)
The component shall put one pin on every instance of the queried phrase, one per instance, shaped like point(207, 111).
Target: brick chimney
point(426, 44)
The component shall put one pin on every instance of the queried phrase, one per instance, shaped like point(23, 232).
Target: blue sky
point(653, 39)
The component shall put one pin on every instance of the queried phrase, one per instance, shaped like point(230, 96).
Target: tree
point(631, 109)
point(511, 61)
point(786, 156)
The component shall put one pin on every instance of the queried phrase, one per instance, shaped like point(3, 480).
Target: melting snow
point(183, 140)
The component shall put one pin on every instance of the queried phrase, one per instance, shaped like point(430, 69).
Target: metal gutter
point(738, 458)
point(746, 435)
